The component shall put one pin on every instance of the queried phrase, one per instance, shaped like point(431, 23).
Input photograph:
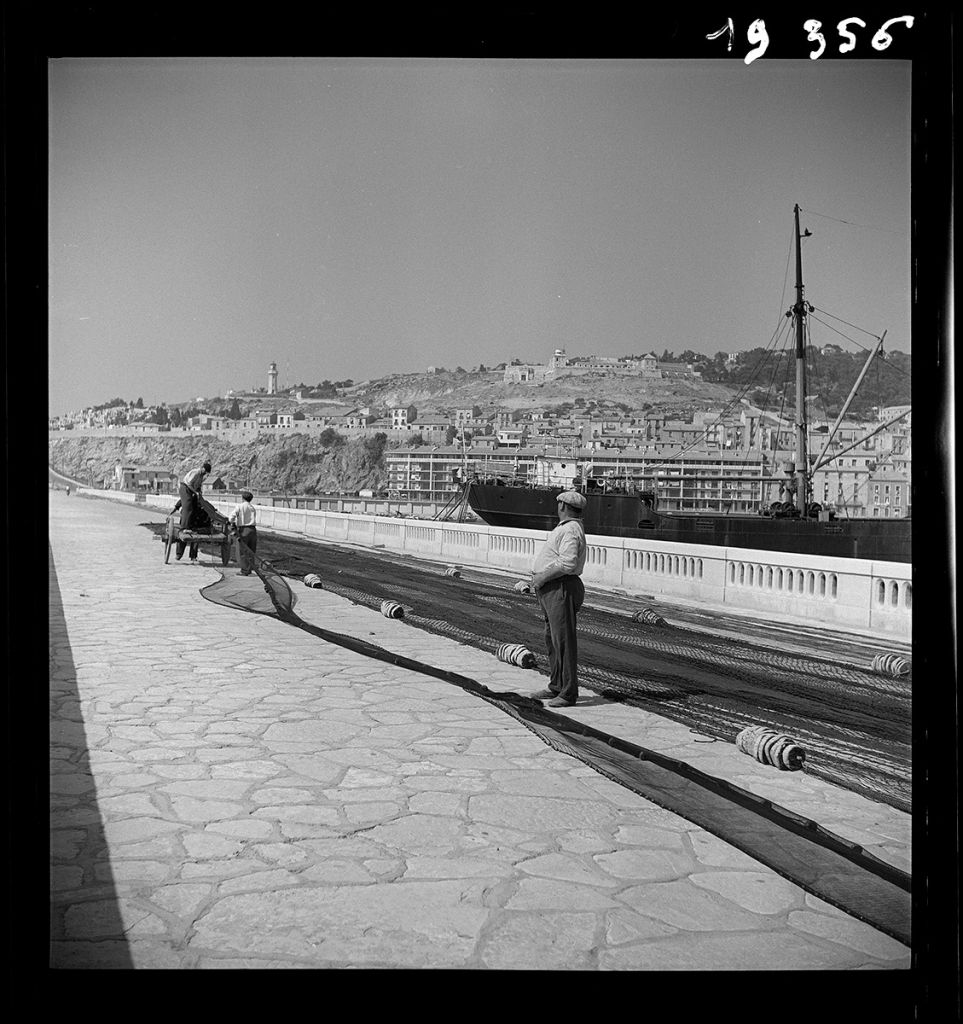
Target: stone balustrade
point(846, 592)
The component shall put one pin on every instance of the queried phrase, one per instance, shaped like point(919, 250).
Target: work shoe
point(560, 702)
point(544, 695)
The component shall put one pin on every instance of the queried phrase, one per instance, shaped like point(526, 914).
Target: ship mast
point(799, 311)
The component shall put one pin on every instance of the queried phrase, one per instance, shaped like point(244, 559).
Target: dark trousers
point(560, 600)
point(187, 506)
point(246, 546)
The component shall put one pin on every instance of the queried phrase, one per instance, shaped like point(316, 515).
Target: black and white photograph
point(480, 498)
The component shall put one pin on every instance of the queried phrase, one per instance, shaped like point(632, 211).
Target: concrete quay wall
point(845, 592)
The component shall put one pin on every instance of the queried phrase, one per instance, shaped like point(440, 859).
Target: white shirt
point(195, 478)
point(244, 514)
point(563, 553)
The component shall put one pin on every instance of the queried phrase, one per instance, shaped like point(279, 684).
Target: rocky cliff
point(301, 465)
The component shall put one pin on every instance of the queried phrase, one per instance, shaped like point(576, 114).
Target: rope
point(650, 617)
point(516, 654)
point(891, 665)
point(771, 748)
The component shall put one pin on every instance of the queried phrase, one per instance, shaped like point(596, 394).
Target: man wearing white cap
point(560, 593)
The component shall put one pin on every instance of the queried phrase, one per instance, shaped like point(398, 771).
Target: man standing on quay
point(190, 491)
point(560, 593)
point(244, 518)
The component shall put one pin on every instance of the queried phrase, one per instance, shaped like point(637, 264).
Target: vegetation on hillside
point(768, 379)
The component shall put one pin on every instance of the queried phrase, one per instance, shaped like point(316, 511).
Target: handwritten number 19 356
point(758, 35)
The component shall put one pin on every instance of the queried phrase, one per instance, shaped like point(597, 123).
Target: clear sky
point(355, 218)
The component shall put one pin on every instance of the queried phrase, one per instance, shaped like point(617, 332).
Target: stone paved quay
point(227, 791)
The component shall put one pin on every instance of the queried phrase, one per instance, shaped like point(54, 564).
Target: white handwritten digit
point(757, 34)
point(843, 31)
point(812, 27)
point(725, 28)
point(882, 39)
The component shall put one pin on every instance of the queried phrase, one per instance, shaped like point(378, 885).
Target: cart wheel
point(168, 540)
point(226, 552)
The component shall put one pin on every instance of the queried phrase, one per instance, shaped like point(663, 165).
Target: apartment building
point(690, 479)
point(435, 472)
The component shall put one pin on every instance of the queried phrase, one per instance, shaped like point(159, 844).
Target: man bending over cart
point(190, 491)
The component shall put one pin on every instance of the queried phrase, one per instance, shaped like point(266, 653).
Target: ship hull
point(624, 515)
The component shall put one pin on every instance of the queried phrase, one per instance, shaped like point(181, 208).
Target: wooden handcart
point(217, 533)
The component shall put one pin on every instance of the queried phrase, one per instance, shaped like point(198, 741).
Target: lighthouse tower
point(273, 379)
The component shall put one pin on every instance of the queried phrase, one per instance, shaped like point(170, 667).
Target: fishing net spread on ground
point(854, 723)
point(824, 864)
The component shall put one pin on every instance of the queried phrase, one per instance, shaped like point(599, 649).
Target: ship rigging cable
point(781, 327)
point(853, 224)
point(886, 362)
point(855, 327)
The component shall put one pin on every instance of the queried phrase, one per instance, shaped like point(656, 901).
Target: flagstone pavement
point(229, 792)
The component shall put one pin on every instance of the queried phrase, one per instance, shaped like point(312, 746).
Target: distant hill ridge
point(450, 390)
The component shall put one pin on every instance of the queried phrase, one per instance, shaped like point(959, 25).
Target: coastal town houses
point(402, 415)
point(466, 418)
point(157, 479)
point(740, 453)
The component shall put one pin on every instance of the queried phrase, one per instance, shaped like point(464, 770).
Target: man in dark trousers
point(244, 517)
point(560, 593)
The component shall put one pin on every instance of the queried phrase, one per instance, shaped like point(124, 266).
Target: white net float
point(770, 747)
point(891, 665)
point(392, 610)
point(521, 587)
point(516, 654)
point(313, 580)
point(648, 616)
point(452, 570)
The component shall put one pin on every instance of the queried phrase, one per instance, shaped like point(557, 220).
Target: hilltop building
point(563, 365)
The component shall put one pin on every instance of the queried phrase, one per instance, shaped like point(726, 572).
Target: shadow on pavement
point(86, 928)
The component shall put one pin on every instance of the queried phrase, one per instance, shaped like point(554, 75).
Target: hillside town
point(728, 458)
